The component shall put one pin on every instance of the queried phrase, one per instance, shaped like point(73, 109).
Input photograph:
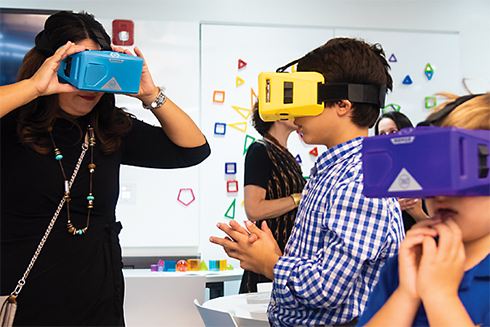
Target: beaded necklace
point(89, 142)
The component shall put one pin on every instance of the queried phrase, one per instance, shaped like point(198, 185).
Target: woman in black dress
point(273, 186)
point(77, 279)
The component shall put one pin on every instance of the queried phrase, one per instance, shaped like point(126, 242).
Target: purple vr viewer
point(427, 161)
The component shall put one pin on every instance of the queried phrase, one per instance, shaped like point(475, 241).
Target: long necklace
point(89, 142)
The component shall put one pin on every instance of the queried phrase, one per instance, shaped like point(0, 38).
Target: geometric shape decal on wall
point(253, 97)
point(430, 102)
point(230, 168)
point(232, 186)
point(429, 71)
point(237, 126)
point(298, 158)
point(186, 196)
point(220, 128)
point(219, 96)
point(230, 213)
point(244, 112)
point(392, 58)
point(314, 152)
point(392, 107)
point(248, 141)
point(239, 81)
point(407, 80)
point(241, 64)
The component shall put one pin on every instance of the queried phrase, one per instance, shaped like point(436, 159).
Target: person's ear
point(343, 107)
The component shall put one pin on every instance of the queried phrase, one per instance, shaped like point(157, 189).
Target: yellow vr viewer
point(289, 95)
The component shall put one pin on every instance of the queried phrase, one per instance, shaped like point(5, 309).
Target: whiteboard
point(154, 222)
point(193, 61)
point(262, 48)
point(413, 51)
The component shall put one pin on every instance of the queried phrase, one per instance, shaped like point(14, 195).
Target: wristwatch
point(159, 101)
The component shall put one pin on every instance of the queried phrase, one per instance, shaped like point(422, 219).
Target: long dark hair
point(37, 117)
point(401, 121)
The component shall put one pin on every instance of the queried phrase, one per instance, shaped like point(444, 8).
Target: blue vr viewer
point(102, 71)
point(427, 161)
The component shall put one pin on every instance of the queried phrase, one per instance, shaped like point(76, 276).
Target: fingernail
point(218, 225)
point(248, 223)
point(210, 239)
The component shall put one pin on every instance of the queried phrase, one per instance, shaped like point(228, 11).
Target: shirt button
point(273, 302)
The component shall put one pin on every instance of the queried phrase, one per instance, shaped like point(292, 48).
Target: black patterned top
point(269, 167)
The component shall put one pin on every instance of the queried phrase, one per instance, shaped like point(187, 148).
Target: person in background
point(340, 239)
point(273, 185)
point(441, 276)
point(77, 279)
point(413, 210)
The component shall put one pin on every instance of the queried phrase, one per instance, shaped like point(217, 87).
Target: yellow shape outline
point(252, 95)
point(239, 81)
point(235, 125)
point(240, 109)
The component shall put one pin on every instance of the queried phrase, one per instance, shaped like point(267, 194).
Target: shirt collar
point(338, 153)
point(480, 270)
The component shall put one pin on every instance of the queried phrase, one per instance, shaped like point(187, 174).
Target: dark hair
point(38, 116)
point(401, 121)
point(261, 126)
point(347, 60)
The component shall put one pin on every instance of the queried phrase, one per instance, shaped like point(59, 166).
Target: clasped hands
point(430, 268)
point(255, 248)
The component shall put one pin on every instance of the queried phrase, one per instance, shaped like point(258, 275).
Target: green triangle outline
point(245, 147)
point(232, 206)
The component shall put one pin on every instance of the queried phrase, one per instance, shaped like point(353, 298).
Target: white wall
point(470, 18)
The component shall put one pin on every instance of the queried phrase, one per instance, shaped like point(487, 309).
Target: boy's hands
point(441, 266)
point(409, 255)
point(427, 269)
point(258, 255)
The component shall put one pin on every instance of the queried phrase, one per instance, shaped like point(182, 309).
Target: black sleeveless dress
point(280, 175)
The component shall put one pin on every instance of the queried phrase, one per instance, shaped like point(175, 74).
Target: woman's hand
point(45, 80)
point(414, 208)
point(148, 91)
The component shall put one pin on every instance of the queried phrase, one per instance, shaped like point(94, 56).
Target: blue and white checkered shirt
point(338, 245)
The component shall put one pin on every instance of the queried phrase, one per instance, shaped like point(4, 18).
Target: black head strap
point(358, 93)
point(436, 118)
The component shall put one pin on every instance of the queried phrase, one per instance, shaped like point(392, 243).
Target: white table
point(167, 298)
point(248, 309)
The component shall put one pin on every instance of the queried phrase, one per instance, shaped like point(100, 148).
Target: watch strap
point(159, 101)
